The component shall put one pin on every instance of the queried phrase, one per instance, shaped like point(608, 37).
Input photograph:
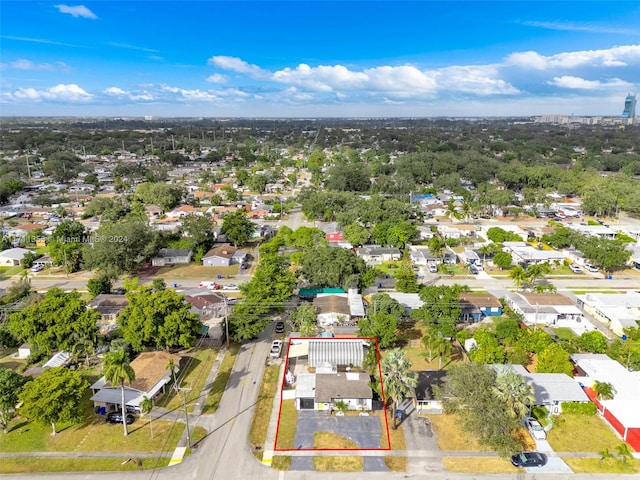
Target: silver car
point(534, 427)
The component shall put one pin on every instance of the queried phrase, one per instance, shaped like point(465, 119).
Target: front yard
point(581, 433)
point(196, 272)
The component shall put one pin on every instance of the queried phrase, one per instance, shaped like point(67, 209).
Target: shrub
point(576, 408)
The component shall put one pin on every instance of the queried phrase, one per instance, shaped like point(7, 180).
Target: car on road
point(230, 286)
point(116, 417)
point(210, 285)
point(575, 268)
point(529, 459)
point(279, 327)
point(590, 268)
point(534, 427)
point(276, 349)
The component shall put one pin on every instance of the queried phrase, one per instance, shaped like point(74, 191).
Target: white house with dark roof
point(375, 254)
point(172, 256)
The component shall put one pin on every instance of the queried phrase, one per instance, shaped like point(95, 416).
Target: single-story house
point(337, 308)
point(594, 230)
point(621, 412)
point(524, 254)
point(543, 308)
point(183, 210)
point(336, 353)
point(219, 256)
point(208, 304)
point(616, 310)
point(550, 390)
point(424, 399)
point(410, 301)
point(167, 224)
point(322, 391)
point(375, 254)
point(13, 256)
point(45, 261)
point(475, 306)
point(151, 379)
point(109, 306)
point(468, 257)
point(172, 256)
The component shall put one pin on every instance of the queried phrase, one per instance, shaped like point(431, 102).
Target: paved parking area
point(554, 465)
point(363, 431)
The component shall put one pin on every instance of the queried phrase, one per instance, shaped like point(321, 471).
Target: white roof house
point(543, 308)
point(523, 253)
point(13, 256)
point(625, 403)
point(616, 310)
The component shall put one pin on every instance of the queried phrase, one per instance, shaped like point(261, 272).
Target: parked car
point(244, 266)
point(37, 268)
point(590, 268)
point(209, 285)
point(230, 286)
point(133, 409)
point(534, 427)
point(119, 291)
point(473, 270)
point(276, 349)
point(279, 327)
point(529, 459)
point(116, 417)
point(433, 268)
point(575, 268)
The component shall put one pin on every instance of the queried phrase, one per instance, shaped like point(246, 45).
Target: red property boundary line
point(384, 403)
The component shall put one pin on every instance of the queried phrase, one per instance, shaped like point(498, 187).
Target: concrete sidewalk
point(270, 441)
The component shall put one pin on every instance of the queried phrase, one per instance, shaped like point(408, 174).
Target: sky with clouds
point(317, 59)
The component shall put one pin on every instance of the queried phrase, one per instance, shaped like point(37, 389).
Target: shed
point(336, 352)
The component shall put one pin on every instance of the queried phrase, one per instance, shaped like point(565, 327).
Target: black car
point(279, 327)
point(529, 459)
point(116, 417)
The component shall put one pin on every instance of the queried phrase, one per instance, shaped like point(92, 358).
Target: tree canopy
point(55, 322)
point(158, 319)
point(11, 384)
point(237, 227)
point(332, 267)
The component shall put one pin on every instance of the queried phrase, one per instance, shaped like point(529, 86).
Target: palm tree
point(437, 245)
point(147, 406)
point(451, 211)
point(518, 275)
point(537, 271)
point(514, 390)
point(444, 350)
point(118, 370)
point(397, 378)
point(433, 343)
point(603, 390)
point(624, 451)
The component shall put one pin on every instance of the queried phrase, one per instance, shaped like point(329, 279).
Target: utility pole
point(186, 415)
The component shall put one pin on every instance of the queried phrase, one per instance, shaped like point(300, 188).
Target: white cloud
point(574, 27)
point(131, 47)
point(236, 64)
point(568, 81)
point(477, 80)
point(217, 78)
point(77, 11)
point(118, 92)
point(59, 93)
point(23, 64)
point(613, 57)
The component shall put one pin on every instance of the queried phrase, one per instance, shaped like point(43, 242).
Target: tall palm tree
point(397, 378)
point(451, 211)
point(118, 370)
point(518, 275)
point(433, 343)
point(147, 406)
point(514, 390)
point(437, 245)
point(537, 271)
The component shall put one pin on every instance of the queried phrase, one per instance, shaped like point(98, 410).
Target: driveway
point(363, 431)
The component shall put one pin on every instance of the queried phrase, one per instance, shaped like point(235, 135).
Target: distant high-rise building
point(629, 107)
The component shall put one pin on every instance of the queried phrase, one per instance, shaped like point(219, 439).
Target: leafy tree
point(50, 324)
point(303, 316)
point(348, 178)
point(406, 281)
point(499, 235)
point(397, 378)
point(62, 166)
point(65, 246)
point(53, 397)
point(489, 349)
point(28, 259)
point(592, 342)
point(437, 245)
point(118, 371)
point(118, 247)
point(11, 384)
point(394, 234)
point(158, 319)
point(554, 359)
point(441, 308)
point(161, 194)
point(237, 227)
point(356, 234)
point(331, 267)
point(107, 208)
point(304, 238)
point(534, 341)
point(507, 330)
point(383, 303)
point(379, 325)
point(502, 260)
point(199, 230)
point(99, 284)
point(470, 391)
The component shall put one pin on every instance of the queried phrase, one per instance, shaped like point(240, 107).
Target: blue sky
point(308, 59)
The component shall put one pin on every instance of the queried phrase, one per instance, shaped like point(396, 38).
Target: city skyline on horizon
point(371, 59)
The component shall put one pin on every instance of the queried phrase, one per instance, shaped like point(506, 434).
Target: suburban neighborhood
point(318, 305)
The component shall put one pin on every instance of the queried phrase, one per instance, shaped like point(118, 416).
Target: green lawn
point(220, 383)
point(581, 433)
point(288, 423)
point(564, 333)
point(262, 414)
point(43, 464)
point(609, 465)
point(197, 364)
